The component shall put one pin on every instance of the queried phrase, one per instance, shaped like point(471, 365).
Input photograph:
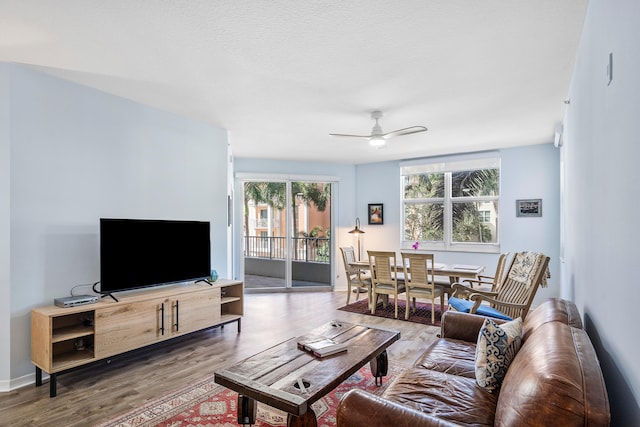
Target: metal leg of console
point(53, 385)
point(53, 382)
point(38, 377)
point(239, 325)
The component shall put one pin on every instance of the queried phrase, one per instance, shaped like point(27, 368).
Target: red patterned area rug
point(207, 404)
point(421, 315)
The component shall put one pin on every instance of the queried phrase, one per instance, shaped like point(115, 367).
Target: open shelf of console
point(71, 332)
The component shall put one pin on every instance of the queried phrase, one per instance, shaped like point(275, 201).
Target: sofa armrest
point(360, 408)
point(462, 326)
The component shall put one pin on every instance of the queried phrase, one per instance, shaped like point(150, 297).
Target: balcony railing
point(307, 249)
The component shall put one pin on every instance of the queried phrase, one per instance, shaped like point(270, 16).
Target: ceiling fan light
point(377, 141)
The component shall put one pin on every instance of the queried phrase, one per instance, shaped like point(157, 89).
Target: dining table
point(455, 272)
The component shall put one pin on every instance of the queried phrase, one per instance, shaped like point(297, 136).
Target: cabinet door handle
point(162, 319)
point(177, 325)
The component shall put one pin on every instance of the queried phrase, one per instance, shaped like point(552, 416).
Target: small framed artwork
point(375, 214)
point(529, 207)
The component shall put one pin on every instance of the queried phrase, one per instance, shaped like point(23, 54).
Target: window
point(263, 220)
point(451, 204)
point(485, 216)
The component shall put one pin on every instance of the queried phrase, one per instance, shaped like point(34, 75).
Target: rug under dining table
point(421, 315)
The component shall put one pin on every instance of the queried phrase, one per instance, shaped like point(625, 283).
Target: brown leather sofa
point(554, 379)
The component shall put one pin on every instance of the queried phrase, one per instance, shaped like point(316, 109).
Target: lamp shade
point(357, 229)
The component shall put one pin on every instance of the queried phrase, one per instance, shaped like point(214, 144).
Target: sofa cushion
point(497, 346)
point(448, 397)
point(454, 357)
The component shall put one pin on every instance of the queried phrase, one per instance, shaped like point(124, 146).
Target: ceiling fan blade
point(405, 131)
point(350, 136)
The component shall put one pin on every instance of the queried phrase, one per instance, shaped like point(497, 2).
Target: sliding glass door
point(287, 234)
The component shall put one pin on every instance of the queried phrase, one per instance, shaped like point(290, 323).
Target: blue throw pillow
point(464, 306)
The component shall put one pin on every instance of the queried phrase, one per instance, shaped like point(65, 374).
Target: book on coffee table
point(326, 347)
point(321, 347)
point(304, 341)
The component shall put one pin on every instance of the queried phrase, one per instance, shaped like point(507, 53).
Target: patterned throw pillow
point(497, 346)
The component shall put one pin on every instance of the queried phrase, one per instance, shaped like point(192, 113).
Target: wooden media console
point(65, 338)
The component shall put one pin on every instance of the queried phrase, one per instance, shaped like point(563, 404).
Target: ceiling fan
point(377, 138)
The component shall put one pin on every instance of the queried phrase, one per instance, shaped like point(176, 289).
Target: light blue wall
point(5, 226)
point(76, 155)
point(530, 172)
point(600, 196)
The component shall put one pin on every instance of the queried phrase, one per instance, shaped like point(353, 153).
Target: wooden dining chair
point(513, 297)
point(356, 278)
point(490, 283)
point(420, 281)
point(385, 278)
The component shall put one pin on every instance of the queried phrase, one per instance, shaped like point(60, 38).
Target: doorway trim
point(238, 256)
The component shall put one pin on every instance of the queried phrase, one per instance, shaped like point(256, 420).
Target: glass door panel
point(265, 235)
point(310, 240)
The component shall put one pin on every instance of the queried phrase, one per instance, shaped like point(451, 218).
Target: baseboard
point(15, 383)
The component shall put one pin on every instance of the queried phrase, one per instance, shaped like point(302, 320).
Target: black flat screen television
point(137, 253)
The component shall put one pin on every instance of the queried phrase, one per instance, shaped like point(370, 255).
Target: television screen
point(136, 253)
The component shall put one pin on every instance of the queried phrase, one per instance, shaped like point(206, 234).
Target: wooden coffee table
point(274, 376)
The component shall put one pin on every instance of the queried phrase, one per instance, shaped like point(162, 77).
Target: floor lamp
point(357, 231)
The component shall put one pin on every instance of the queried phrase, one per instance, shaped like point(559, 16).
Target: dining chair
point(356, 278)
point(490, 283)
point(420, 281)
point(385, 278)
point(513, 297)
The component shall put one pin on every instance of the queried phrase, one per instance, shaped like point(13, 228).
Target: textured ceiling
point(281, 75)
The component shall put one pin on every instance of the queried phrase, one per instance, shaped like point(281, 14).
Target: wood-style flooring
point(95, 394)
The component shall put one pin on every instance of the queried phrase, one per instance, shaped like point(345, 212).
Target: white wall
point(529, 172)
point(601, 203)
point(77, 154)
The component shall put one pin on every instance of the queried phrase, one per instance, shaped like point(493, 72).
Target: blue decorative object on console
point(214, 275)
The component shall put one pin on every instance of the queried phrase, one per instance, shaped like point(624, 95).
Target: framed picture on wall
point(529, 207)
point(375, 214)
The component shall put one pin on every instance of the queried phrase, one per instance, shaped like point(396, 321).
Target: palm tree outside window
point(451, 205)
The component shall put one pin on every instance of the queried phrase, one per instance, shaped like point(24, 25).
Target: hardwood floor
point(98, 393)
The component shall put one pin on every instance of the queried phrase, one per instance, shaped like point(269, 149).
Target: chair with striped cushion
point(513, 298)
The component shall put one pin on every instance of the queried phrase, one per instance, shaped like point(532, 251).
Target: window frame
point(448, 166)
